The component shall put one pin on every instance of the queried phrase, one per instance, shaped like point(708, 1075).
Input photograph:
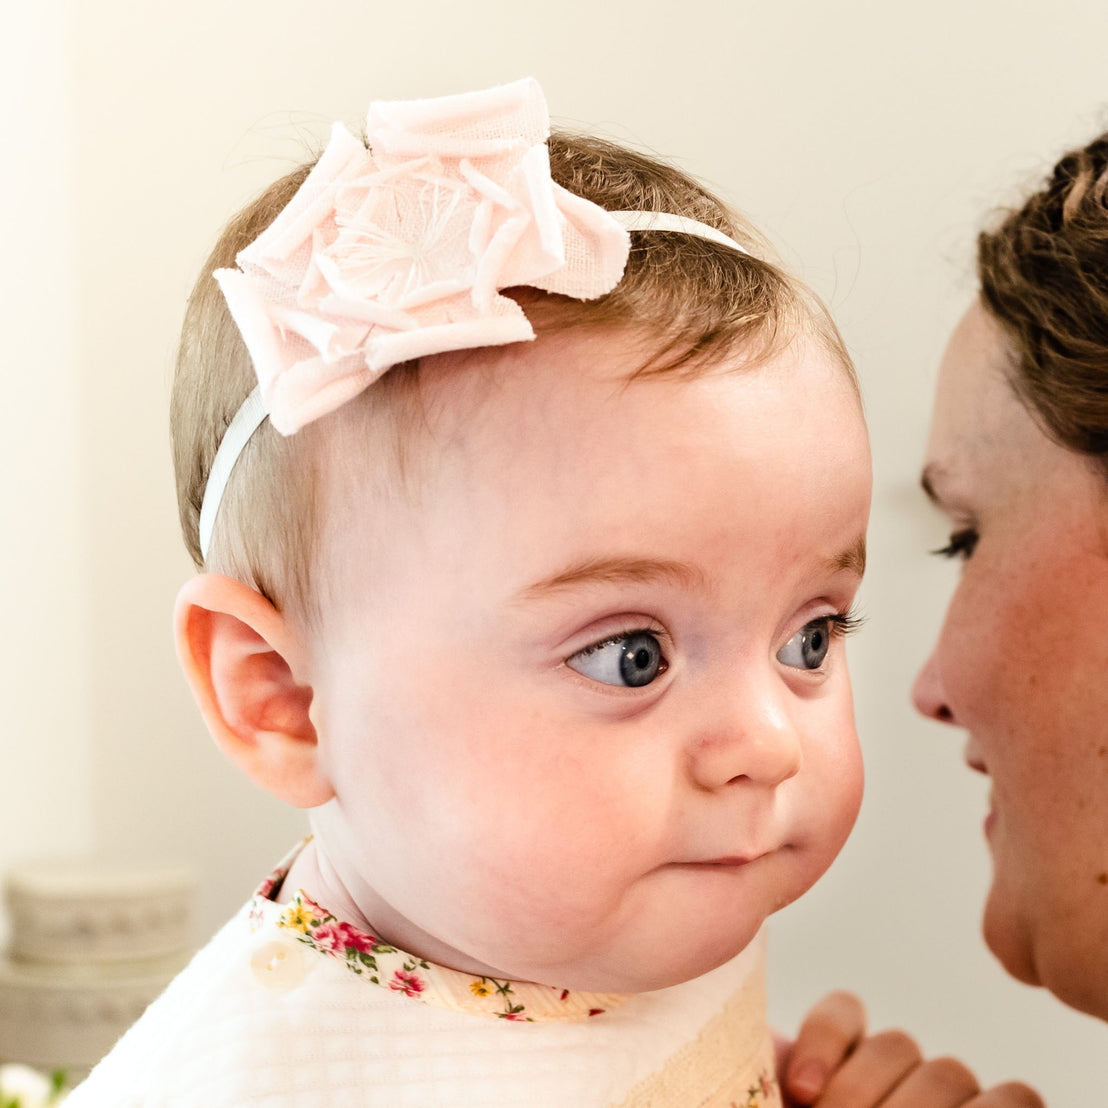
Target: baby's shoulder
point(228, 1028)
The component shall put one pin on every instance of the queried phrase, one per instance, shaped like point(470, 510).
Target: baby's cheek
point(851, 778)
point(563, 849)
point(834, 787)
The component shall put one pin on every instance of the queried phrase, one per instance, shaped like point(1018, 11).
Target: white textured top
point(263, 1017)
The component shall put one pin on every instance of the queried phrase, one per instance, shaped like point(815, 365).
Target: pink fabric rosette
point(392, 253)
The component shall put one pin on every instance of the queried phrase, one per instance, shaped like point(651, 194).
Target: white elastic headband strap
point(667, 221)
point(250, 416)
point(239, 432)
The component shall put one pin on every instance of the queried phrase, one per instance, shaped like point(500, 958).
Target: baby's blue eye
point(633, 660)
point(808, 647)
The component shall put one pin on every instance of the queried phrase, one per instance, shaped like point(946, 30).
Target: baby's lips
point(726, 858)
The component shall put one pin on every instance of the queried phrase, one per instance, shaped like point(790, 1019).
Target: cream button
point(280, 964)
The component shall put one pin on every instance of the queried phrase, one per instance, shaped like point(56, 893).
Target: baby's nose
point(745, 736)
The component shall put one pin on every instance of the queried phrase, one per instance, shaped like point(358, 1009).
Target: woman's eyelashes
point(632, 659)
point(808, 648)
point(960, 545)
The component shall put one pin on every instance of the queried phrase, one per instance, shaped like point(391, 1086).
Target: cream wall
point(867, 139)
point(46, 748)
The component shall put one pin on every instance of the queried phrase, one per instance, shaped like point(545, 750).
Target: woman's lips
point(972, 758)
point(990, 819)
point(977, 763)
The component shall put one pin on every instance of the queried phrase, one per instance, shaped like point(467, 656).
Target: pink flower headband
point(398, 251)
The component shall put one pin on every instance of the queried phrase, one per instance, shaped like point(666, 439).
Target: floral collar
point(383, 965)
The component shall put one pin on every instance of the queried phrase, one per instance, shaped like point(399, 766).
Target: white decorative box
point(91, 945)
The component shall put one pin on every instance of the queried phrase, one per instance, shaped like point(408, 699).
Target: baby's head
point(549, 633)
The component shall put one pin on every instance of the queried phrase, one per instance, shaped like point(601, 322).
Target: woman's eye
point(808, 647)
point(632, 660)
point(961, 545)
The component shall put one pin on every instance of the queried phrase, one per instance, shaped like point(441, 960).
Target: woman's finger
point(947, 1083)
point(877, 1066)
point(829, 1034)
point(1011, 1095)
point(939, 1083)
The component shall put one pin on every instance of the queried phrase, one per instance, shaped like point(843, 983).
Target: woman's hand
point(835, 1064)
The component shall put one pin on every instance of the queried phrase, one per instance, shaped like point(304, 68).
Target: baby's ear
point(241, 658)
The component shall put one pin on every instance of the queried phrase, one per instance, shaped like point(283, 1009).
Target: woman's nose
point(743, 736)
point(928, 693)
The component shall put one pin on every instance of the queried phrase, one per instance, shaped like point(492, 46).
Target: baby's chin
point(645, 966)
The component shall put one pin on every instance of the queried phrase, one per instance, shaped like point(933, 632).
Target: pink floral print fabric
point(382, 964)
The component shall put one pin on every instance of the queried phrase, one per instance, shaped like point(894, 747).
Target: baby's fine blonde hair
point(701, 300)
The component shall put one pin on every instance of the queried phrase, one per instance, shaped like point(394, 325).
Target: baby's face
point(581, 691)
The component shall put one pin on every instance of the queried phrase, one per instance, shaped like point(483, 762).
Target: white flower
point(26, 1087)
point(399, 251)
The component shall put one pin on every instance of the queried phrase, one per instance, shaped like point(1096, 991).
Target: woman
point(1018, 461)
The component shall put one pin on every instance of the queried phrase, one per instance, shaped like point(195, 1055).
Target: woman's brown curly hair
point(1044, 277)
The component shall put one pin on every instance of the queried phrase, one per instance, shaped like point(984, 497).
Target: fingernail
point(807, 1080)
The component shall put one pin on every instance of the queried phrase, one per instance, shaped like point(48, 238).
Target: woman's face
point(1022, 663)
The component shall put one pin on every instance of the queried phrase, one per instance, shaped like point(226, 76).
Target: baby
point(527, 567)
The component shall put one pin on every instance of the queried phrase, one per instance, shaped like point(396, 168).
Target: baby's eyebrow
point(616, 571)
point(852, 558)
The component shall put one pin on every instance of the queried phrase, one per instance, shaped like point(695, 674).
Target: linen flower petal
point(271, 350)
point(504, 323)
point(520, 239)
point(596, 249)
point(486, 124)
point(344, 159)
point(313, 388)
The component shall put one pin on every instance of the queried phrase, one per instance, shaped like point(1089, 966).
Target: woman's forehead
point(976, 412)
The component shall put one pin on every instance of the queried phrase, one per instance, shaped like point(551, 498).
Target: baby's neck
point(313, 872)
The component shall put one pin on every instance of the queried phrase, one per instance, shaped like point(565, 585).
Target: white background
point(867, 139)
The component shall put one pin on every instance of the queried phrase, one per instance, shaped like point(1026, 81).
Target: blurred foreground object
point(23, 1087)
point(91, 945)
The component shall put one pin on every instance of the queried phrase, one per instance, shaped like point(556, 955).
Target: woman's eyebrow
point(927, 479)
point(946, 487)
point(616, 571)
